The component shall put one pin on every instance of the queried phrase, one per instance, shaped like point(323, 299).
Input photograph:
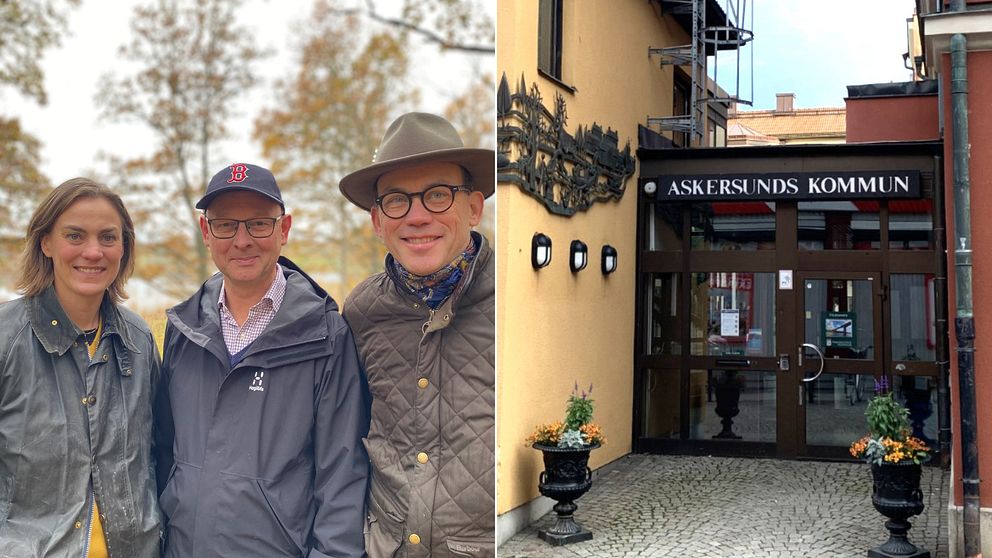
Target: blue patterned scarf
point(435, 288)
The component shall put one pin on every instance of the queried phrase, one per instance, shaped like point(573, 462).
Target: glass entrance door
point(741, 301)
point(732, 379)
point(839, 357)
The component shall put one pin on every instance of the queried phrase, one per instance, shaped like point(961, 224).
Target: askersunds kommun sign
point(787, 185)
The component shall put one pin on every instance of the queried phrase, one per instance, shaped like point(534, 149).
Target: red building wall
point(892, 119)
point(980, 138)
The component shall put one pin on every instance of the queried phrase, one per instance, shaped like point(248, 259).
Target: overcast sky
point(815, 49)
point(72, 134)
point(808, 47)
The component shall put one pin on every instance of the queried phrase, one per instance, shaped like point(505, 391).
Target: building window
point(735, 225)
point(839, 225)
point(717, 134)
point(911, 225)
point(549, 38)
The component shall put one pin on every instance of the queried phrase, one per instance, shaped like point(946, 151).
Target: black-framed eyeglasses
point(436, 199)
point(257, 227)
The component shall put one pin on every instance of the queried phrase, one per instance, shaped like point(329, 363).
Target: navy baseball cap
point(241, 177)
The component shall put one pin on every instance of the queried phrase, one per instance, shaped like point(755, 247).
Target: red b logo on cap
point(238, 173)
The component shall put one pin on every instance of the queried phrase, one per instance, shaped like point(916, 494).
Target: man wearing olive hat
point(425, 333)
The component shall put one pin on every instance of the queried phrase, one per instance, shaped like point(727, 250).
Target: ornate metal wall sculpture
point(566, 173)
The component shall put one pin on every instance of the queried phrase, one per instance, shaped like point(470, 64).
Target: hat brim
point(206, 200)
point(359, 186)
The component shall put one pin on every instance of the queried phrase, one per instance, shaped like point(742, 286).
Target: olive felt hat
point(416, 138)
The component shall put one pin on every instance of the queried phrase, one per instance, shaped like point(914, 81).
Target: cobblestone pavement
point(655, 506)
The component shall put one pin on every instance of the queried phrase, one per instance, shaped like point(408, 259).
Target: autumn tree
point(333, 111)
point(21, 183)
point(471, 112)
point(27, 30)
point(193, 60)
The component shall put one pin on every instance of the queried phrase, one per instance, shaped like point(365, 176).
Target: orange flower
point(892, 451)
point(592, 433)
point(858, 448)
point(547, 434)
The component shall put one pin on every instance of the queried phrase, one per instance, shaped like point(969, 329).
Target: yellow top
point(92, 345)
point(98, 542)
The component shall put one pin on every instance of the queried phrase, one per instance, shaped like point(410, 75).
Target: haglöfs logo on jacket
point(256, 384)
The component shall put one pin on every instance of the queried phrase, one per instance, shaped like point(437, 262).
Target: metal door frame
point(804, 367)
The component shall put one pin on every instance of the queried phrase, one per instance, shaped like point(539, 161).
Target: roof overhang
point(897, 89)
point(938, 29)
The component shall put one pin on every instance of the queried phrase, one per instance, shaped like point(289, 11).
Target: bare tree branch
point(426, 33)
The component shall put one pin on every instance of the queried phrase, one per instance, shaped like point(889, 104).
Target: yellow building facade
point(558, 328)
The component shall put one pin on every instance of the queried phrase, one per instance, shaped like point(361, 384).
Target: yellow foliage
point(156, 322)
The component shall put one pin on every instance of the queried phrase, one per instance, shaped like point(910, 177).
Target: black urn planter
point(728, 397)
point(566, 476)
point(896, 494)
point(920, 409)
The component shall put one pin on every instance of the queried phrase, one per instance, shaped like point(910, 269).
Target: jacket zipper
point(89, 526)
point(283, 347)
point(290, 345)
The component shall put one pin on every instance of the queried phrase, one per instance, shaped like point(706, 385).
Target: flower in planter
point(577, 431)
point(888, 439)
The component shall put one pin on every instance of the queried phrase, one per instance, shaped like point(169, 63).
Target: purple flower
point(882, 386)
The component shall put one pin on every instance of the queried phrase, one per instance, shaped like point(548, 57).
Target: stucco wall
point(980, 136)
point(885, 119)
point(554, 327)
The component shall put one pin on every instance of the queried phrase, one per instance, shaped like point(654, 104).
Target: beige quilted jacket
point(432, 437)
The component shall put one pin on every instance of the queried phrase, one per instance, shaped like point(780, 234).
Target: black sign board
point(787, 186)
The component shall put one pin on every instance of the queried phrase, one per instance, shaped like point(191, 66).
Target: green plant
point(888, 439)
point(577, 431)
point(579, 409)
point(887, 418)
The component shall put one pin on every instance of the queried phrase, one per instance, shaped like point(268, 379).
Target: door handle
point(818, 353)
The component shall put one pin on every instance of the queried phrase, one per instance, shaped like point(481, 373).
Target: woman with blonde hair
point(77, 380)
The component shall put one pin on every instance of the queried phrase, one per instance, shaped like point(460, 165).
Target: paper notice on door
point(730, 323)
point(785, 279)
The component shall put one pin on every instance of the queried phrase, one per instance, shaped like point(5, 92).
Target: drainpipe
point(964, 321)
point(940, 315)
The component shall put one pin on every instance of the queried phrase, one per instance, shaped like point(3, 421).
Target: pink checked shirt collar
point(259, 316)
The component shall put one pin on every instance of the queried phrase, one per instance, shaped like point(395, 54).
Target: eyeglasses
point(436, 199)
point(258, 227)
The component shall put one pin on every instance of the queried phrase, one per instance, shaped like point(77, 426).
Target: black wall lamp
point(579, 256)
point(540, 250)
point(609, 259)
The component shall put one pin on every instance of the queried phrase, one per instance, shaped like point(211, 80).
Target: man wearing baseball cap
point(425, 332)
point(267, 403)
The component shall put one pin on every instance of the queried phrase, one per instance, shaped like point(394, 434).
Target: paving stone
point(703, 507)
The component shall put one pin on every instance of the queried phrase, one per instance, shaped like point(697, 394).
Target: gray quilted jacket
point(432, 437)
